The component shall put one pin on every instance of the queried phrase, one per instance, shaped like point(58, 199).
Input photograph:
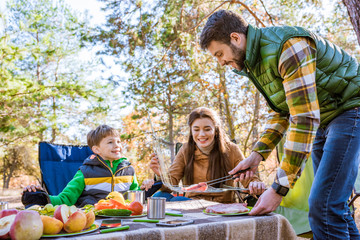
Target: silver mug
point(135, 196)
point(4, 205)
point(156, 207)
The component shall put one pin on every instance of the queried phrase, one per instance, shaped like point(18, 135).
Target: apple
point(76, 222)
point(62, 213)
point(27, 225)
point(7, 212)
point(5, 225)
point(90, 218)
point(51, 225)
point(73, 209)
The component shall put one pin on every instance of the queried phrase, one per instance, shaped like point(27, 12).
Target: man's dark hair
point(220, 25)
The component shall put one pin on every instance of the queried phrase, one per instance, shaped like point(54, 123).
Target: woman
point(208, 155)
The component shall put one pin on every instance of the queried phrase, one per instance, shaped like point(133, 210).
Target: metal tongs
point(226, 178)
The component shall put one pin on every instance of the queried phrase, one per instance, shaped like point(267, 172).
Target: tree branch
point(198, 24)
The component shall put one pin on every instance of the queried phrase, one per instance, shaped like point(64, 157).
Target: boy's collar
point(122, 158)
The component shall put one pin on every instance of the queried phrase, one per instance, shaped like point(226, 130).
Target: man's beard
point(239, 56)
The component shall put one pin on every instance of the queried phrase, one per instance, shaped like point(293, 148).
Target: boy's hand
point(147, 184)
point(32, 188)
point(154, 164)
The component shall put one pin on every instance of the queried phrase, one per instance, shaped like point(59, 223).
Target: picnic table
point(206, 227)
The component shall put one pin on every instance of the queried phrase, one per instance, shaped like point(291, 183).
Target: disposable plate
point(228, 214)
point(93, 228)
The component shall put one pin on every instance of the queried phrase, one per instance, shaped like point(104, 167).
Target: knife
point(126, 227)
point(140, 220)
point(174, 214)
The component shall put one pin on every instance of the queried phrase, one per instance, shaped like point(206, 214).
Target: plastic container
point(156, 207)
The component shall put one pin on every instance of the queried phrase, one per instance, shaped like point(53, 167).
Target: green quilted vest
point(337, 73)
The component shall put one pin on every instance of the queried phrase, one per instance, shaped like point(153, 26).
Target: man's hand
point(253, 160)
point(256, 188)
point(154, 164)
point(147, 184)
point(267, 202)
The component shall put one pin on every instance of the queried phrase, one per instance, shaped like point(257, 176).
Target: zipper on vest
point(112, 175)
point(261, 90)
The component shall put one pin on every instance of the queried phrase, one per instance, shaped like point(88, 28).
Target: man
point(313, 88)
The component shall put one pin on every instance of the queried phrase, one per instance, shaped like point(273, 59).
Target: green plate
point(228, 214)
point(92, 228)
point(131, 216)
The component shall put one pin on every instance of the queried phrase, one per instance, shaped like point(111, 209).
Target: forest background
point(61, 76)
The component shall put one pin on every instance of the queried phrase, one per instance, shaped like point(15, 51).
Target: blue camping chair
point(59, 163)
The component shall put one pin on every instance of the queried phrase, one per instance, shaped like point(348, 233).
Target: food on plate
point(51, 225)
point(76, 222)
point(74, 219)
point(116, 196)
point(103, 205)
point(227, 208)
point(136, 208)
point(90, 218)
point(5, 225)
point(8, 212)
point(107, 207)
point(117, 204)
point(115, 212)
point(62, 213)
point(200, 187)
point(27, 225)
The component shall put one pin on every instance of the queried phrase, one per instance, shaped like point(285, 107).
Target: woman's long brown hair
point(219, 164)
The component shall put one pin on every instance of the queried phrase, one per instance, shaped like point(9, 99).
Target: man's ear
point(236, 39)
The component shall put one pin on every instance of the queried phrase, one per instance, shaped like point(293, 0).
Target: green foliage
point(43, 81)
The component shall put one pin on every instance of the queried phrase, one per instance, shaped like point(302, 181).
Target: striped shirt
point(297, 66)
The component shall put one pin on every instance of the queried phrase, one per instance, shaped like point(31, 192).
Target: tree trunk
point(255, 132)
point(171, 124)
point(53, 129)
point(227, 105)
point(353, 8)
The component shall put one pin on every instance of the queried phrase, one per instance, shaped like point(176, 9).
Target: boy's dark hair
point(95, 136)
point(220, 25)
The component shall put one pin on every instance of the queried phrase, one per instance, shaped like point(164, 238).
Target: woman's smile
point(203, 131)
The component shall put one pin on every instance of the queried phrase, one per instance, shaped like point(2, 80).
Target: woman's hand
point(147, 184)
point(32, 188)
point(154, 164)
point(256, 188)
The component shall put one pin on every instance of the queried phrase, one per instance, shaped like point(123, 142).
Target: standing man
point(313, 89)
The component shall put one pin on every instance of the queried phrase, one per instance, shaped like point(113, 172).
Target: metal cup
point(156, 207)
point(4, 205)
point(135, 196)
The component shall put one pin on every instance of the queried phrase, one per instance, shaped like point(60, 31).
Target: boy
point(101, 173)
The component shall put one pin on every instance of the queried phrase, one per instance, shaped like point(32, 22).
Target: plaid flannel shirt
point(297, 65)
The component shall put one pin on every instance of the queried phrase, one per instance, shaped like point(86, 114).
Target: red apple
point(5, 225)
point(90, 218)
point(27, 226)
point(7, 212)
point(76, 222)
point(62, 213)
